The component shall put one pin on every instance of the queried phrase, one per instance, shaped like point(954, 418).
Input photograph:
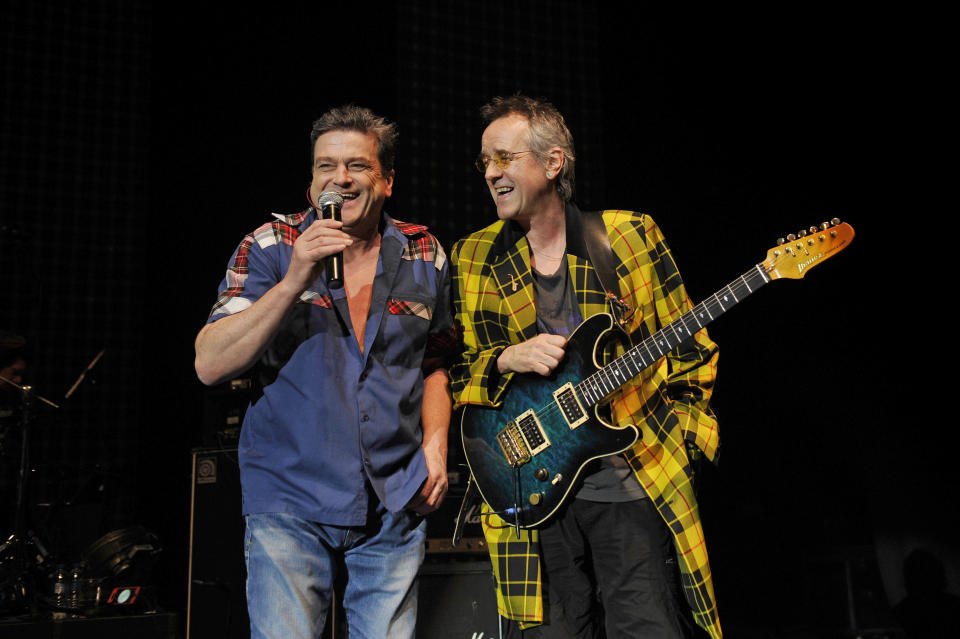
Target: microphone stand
point(26, 408)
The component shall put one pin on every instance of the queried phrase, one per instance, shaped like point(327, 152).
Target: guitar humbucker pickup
point(573, 412)
point(532, 432)
point(522, 438)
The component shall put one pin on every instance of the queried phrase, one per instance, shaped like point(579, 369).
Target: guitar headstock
point(800, 252)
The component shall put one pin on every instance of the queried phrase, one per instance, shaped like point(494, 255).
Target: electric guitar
point(527, 454)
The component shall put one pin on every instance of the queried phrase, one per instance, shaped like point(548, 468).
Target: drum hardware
point(18, 553)
point(83, 374)
point(113, 570)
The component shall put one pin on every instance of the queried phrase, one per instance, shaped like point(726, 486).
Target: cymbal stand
point(16, 547)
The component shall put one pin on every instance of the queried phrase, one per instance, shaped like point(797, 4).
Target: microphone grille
point(329, 197)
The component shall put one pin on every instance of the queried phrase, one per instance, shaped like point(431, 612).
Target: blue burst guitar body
point(557, 452)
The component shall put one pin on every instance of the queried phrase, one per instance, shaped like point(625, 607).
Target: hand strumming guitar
point(540, 354)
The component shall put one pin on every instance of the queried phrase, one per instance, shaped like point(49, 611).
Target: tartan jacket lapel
point(510, 264)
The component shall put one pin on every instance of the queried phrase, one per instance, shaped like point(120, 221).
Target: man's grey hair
point(548, 129)
point(351, 117)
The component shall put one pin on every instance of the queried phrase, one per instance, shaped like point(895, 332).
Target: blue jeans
point(292, 565)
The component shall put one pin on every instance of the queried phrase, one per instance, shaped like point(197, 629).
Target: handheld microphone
point(329, 204)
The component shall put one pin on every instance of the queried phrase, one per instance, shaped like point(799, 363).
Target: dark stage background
point(140, 143)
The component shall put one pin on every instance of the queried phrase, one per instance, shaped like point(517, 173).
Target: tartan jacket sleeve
point(669, 402)
point(483, 315)
point(652, 287)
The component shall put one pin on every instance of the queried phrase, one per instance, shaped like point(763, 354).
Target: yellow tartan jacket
point(669, 402)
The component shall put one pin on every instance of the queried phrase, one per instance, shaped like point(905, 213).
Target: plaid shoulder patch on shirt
point(283, 230)
point(420, 244)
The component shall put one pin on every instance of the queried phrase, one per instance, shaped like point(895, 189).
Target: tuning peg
point(780, 241)
point(791, 237)
point(813, 230)
point(835, 221)
point(824, 226)
point(802, 233)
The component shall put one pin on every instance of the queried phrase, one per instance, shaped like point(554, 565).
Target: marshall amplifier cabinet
point(440, 525)
point(216, 601)
point(457, 600)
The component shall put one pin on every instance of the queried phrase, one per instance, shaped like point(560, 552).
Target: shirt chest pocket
point(414, 306)
point(406, 326)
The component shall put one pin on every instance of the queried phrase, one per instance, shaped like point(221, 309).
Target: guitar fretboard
point(608, 379)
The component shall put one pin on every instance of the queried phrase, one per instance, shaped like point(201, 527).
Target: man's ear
point(389, 182)
point(554, 163)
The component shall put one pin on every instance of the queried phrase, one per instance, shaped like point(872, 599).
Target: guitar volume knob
point(541, 474)
point(536, 498)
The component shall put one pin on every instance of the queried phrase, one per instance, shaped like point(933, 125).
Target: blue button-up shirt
point(334, 421)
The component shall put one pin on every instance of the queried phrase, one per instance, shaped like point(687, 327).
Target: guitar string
point(739, 285)
point(600, 379)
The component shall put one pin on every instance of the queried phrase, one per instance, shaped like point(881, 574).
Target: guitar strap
point(601, 256)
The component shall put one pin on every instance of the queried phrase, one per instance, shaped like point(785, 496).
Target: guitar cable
point(516, 496)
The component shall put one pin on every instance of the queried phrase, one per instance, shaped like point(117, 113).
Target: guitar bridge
point(573, 412)
point(522, 438)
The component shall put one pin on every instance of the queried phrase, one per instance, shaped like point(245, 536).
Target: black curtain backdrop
point(140, 143)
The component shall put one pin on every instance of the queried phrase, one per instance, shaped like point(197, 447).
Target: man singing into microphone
point(345, 448)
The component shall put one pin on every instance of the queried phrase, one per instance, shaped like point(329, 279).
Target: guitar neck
point(595, 388)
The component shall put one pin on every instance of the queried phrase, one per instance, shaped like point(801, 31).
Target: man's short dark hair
point(351, 117)
point(547, 130)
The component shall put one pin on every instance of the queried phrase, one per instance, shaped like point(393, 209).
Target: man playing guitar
point(612, 554)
